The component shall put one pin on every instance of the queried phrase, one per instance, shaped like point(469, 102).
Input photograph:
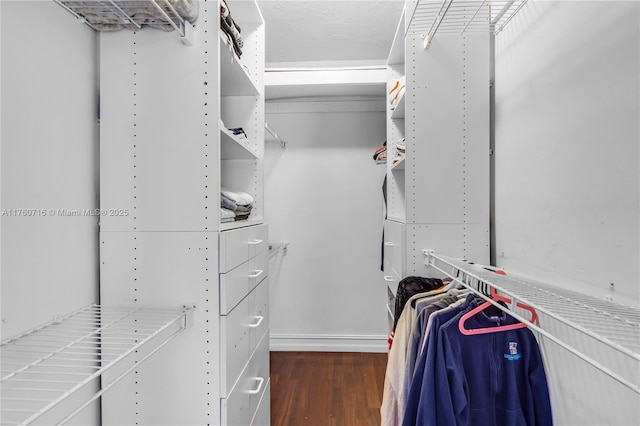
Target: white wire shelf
point(45, 366)
point(460, 16)
point(612, 324)
point(113, 15)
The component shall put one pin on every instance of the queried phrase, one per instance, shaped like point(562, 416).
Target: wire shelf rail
point(461, 16)
point(43, 367)
point(615, 325)
point(109, 14)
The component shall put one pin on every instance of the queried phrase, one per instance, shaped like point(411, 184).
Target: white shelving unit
point(167, 167)
point(44, 367)
point(443, 117)
point(600, 321)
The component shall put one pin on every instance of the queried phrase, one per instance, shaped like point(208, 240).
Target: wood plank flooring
point(326, 388)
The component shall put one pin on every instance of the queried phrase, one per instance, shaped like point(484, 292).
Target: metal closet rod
point(275, 248)
point(431, 257)
point(273, 133)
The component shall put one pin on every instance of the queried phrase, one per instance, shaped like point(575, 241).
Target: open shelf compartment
point(45, 366)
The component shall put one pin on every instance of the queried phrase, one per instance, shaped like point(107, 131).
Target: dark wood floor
point(326, 388)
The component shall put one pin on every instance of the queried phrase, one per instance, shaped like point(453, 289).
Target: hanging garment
point(408, 287)
point(493, 378)
point(398, 373)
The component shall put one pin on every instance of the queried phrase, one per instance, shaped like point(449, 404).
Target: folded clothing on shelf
point(238, 202)
point(231, 28)
point(238, 132)
point(227, 215)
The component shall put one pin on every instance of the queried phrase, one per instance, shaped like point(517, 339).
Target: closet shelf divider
point(233, 148)
point(235, 78)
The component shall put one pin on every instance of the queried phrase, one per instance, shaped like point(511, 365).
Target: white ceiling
point(329, 30)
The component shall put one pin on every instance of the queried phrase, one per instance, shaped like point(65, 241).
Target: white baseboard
point(328, 343)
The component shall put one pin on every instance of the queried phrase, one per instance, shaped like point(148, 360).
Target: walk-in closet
point(279, 212)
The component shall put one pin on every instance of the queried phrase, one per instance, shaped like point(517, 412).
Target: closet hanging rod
point(460, 268)
point(275, 248)
point(274, 134)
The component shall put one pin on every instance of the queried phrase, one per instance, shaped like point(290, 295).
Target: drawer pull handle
point(256, 274)
point(260, 381)
point(255, 242)
point(257, 323)
point(389, 278)
point(390, 244)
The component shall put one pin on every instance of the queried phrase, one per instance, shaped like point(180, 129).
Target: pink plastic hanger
point(498, 298)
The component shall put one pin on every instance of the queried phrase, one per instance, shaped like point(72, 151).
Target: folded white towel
point(239, 197)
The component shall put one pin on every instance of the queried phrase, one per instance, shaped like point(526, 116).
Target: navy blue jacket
point(493, 379)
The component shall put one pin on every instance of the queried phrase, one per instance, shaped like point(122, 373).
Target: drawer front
point(260, 374)
point(263, 413)
point(391, 283)
point(239, 245)
point(394, 235)
point(239, 408)
point(237, 283)
point(259, 313)
point(235, 345)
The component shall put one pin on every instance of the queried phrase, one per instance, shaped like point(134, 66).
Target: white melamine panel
point(49, 174)
point(159, 108)
point(469, 241)
point(165, 269)
point(49, 158)
point(447, 166)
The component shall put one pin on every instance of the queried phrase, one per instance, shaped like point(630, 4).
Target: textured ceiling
point(329, 30)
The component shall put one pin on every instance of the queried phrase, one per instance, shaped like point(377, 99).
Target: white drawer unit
point(239, 245)
point(244, 400)
point(237, 283)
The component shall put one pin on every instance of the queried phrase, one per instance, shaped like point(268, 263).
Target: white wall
point(324, 196)
point(49, 162)
point(567, 184)
point(567, 139)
